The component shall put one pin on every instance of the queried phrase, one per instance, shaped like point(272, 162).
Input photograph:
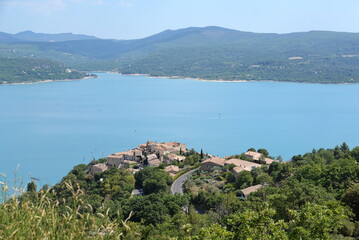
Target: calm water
point(48, 128)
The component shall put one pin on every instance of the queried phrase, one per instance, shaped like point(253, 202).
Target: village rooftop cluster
point(148, 154)
point(154, 154)
point(239, 165)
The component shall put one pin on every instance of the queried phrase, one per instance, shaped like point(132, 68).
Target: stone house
point(248, 166)
point(165, 148)
point(98, 168)
point(253, 155)
point(118, 159)
point(171, 157)
point(210, 163)
point(172, 170)
point(114, 160)
point(154, 162)
point(269, 161)
point(237, 170)
point(246, 191)
point(257, 157)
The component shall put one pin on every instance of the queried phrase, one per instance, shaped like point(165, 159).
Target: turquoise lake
point(47, 128)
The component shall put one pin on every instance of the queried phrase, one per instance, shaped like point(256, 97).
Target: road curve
point(177, 186)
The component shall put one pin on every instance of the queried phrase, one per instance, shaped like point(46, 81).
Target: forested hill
point(209, 53)
point(22, 70)
point(41, 37)
point(313, 196)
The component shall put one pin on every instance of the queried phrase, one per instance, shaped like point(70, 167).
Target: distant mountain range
point(29, 36)
point(209, 53)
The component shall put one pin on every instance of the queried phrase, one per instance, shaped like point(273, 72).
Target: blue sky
point(129, 19)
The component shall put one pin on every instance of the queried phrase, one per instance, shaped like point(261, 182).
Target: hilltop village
point(148, 154)
point(171, 155)
point(166, 191)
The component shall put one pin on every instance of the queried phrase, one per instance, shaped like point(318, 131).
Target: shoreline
point(230, 81)
point(49, 80)
point(188, 78)
point(174, 77)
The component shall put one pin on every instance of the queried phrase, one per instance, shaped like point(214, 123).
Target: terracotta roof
point(152, 157)
point(173, 156)
point(240, 169)
point(242, 163)
point(100, 166)
point(115, 156)
point(249, 190)
point(215, 160)
point(268, 160)
point(254, 155)
point(172, 168)
point(133, 170)
point(130, 162)
point(154, 162)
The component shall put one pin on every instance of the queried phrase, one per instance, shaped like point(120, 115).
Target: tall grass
point(37, 216)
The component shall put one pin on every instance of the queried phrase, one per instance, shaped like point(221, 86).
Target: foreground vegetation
point(313, 196)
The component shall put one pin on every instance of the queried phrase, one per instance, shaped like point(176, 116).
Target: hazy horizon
point(93, 35)
point(133, 19)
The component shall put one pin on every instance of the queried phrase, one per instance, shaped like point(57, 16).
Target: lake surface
point(48, 128)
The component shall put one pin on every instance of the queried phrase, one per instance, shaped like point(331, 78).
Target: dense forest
point(26, 70)
point(209, 53)
point(232, 64)
point(313, 196)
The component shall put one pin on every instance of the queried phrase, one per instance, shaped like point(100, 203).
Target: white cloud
point(126, 4)
point(99, 2)
point(108, 2)
point(45, 7)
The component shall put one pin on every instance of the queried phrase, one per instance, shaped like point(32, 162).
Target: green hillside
point(211, 53)
point(20, 70)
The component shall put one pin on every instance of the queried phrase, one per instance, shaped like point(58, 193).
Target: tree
point(117, 183)
point(153, 180)
point(299, 193)
point(355, 153)
point(31, 187)
point(338, 153)
point(316, 221)
point(155, 208)
point(262, 159)
point(155, 186)
point(263, 151)
point(214, 232)
point(297, 159)
point(264, 178)
point(257, 225)
point(340, 174)
point(244, 179)
point(230, 177)
point(351, 198)
point(344, 147)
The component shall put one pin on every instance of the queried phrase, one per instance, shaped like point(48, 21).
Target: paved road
point(178, 184)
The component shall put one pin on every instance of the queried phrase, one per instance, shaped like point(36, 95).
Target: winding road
point(177, 186)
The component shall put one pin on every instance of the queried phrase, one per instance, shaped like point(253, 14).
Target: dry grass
point(45, 218)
